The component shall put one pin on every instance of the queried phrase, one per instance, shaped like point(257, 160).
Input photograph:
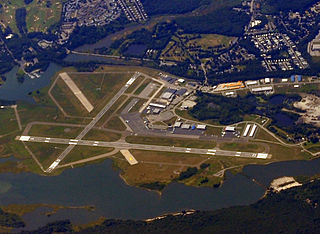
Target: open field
point(263, 135)
point(54, 131)
point(116, 124)
point(211, 40)
point(164, 167)
point(46, 153)
point(98, 88)
point(170, 141)
point(284, 153)
point(138, 105)
point(111, 111)
point(40, 15)
point(142, 87)
point(8, 121)
point(67, 100)
point(244, 147)
point(100, 135)
point(84, 152)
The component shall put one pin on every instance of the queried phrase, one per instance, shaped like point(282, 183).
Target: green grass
point(138, 105)
point(54, 131)
point(46, 153)
point(263, 135)
point(178, 142)
point(99, 89)
point(8, 121)
point(111, 111)
point(98, 135)
point(115, 124)
point(142, 86)
point(39, 17)
point(244, 147)
point(84, 152)
point(67, 100)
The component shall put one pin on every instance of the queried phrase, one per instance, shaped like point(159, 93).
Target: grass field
point(263, 135)
point(157, 170)
point(8, 121)
point(116, 124)
point(244, 147)
point(67, 100)
point(178, 142)
point(54, 131)
point(83, 152)
point(211, 40)
point(142, 86)
point(46, 153)
point(40, 14)
point(99, 135)
point(99, 88)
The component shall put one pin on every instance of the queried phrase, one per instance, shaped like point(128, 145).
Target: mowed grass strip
point(170, 141)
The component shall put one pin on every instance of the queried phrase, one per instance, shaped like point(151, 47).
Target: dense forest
point(224, 21)
point(157, 7)
point(226, 110)
point(292, 211)
point(275, 6)
point(21, 14)
point(90, 35)
point(10, 220)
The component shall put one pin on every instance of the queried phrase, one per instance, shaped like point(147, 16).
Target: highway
point(93, 122)
point(127, 146)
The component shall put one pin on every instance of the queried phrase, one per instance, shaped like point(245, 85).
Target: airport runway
point(127, 146)
point(93, 122)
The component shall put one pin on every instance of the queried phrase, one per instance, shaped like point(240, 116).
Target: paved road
point(124, 145)
point(93, 122)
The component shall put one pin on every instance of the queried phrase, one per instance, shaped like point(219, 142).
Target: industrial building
point(262, 89)
point(230, 129)
point(246, 131)
point(253, 130)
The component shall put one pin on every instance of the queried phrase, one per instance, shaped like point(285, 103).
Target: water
point(13, 90)
point(101, 186)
